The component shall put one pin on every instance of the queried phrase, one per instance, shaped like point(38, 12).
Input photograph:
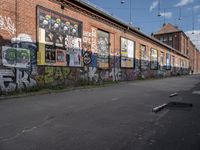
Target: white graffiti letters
point(92, 74)
point(6, 80)
point(116, 74)
point(11, 80)
point(91, 39)
point(7, 25)
point(23, 80)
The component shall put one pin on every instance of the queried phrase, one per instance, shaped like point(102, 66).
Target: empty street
point(115, 117)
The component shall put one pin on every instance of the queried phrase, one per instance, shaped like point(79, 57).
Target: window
point(143, 59)
point(170, 38)
point(168, 61)
point(103, 49)
point(170, 43)
point(165, 39)
point(154, 59)
point(161, 38)
point(172, 61)
point(127, 53)
point(161, 60)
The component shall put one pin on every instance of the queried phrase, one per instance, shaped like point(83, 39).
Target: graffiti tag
point(87, 57)
point(11, 80)
point(7, 25)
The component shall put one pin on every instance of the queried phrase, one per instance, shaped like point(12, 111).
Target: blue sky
point(145, 13)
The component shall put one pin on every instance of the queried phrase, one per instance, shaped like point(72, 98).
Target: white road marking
point(115, 99)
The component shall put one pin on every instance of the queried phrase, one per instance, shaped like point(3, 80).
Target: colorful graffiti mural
point(15, 57)
point(58, 33)
point(87, 57)
point(19, 64)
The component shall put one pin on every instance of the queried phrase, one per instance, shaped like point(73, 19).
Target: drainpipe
point(16, 27)
point(16, 16)
point(114, 58)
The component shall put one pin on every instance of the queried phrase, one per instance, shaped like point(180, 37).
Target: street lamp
point(122, 2)
point(159, 14)
point(180, 14)
point(192, 19)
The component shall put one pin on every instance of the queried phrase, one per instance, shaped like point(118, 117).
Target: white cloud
point(183, 3)
point(194, 37)
point(166, 14)
point(198, 18)
point(197, 7)
point(154, 5)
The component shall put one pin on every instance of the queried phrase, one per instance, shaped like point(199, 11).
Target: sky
point(144, 13)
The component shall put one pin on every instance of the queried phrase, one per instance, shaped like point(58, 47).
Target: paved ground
point(117, 117)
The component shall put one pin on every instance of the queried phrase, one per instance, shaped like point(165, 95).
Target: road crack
point(24, 131)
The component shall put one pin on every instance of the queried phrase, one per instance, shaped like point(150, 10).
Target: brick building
point(70, 42)
point(177, 39)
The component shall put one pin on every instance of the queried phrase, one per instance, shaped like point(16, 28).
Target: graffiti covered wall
point(18, 68)
point(72, 49)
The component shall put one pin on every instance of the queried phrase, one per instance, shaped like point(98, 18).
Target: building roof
point(99, 11)
point(167, 28)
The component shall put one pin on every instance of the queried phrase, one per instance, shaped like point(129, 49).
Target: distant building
point(176, 38)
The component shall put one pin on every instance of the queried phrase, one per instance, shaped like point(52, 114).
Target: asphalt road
point(117, 117)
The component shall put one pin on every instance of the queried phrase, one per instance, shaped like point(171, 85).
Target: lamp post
point(159, 14)
point(122, 2)
point(193, 19)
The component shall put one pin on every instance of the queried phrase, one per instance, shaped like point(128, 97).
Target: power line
point(145, 8)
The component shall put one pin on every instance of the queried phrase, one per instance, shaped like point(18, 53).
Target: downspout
point(16, 16)
point(114, 58)
point(16, 27)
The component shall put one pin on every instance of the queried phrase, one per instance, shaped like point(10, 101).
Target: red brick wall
point(24, 16)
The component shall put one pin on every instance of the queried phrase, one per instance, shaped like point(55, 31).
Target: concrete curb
point(159, 108)
point(24, 95)
point(174, 94)
point(50, 91)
